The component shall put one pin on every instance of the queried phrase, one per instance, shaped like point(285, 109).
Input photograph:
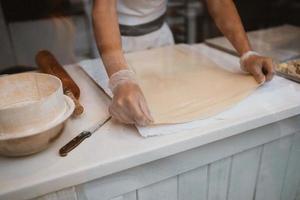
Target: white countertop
point(117, 147)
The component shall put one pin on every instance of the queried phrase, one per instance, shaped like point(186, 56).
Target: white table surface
point(117, 147)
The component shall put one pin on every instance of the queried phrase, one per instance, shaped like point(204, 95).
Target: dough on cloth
point(181, 85)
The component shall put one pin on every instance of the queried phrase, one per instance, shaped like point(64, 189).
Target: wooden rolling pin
point(47, 63)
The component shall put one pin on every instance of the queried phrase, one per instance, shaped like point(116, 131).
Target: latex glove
point(128, 104)
point(262, 68)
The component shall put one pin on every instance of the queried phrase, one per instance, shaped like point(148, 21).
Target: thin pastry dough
point(181, 85)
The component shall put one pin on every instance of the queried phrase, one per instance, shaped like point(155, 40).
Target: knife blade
point(80, 138)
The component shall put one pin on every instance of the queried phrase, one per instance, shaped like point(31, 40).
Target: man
point(137, 25)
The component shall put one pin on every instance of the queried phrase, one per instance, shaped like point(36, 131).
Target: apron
point(136, 12)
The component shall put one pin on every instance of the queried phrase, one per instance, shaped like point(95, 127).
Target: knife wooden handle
point(74, 143)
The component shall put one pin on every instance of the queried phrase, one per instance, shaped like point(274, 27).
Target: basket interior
point(25, 88)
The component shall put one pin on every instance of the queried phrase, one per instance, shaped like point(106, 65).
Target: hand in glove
point(128, 104)
point(261, 68)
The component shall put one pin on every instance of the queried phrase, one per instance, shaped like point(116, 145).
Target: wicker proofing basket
point(33, 110)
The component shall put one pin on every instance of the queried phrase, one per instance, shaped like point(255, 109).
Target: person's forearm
point(107, 34)
point(228, 21)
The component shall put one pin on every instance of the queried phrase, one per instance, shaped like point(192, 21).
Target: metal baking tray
point(288, 76)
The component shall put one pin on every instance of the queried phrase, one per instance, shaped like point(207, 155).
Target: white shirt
point(134, 12)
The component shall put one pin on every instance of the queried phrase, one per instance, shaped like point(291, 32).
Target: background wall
point(64, 26)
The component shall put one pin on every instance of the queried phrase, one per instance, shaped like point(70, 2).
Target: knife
point(80, 138)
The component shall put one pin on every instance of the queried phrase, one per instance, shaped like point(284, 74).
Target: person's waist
point(144, 28)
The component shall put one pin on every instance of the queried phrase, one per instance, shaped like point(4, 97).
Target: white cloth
point(135, 12)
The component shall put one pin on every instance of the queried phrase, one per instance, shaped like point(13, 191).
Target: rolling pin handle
point(78, 107)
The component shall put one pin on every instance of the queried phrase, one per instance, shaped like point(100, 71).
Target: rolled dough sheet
point(181, 85)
